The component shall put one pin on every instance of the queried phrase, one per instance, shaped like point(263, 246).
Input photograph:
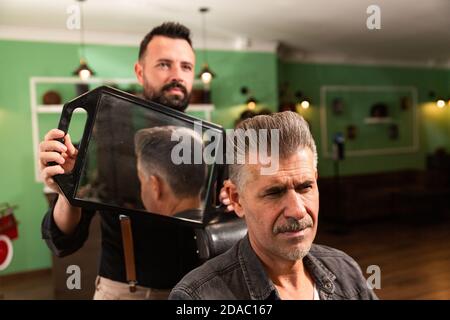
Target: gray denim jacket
point(239, 274)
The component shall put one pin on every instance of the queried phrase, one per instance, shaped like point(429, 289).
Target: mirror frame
point(90, 101)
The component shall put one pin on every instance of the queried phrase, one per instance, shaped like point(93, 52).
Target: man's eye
point(187, 68)
point(274, 193)
point(304, 188)
point(163, 65)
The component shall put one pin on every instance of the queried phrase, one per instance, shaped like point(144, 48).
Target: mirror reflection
point(142, 159)
point(168, 188)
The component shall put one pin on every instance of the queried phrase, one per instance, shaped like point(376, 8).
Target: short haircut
point(172, 30)
point(294, 134)
point(154, 147)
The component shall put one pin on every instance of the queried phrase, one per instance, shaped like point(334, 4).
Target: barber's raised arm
point(64, 154)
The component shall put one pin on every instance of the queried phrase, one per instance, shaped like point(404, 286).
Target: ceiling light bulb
point(305, 104)
point(206, 77)
point(84, 74)
point(440, 103)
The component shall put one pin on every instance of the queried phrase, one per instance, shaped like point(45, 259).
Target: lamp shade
point(206, 75)
point(83, 70)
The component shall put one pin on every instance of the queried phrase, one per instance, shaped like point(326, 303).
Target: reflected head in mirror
point(168, 187)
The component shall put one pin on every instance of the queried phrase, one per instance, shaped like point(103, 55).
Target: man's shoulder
point(211, 279)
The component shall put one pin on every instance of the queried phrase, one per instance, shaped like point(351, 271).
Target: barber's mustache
point(293, 225)
point(174, 84)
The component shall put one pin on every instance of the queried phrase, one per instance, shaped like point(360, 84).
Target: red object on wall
point(3, 251)
point(6, 252)
point(8, 226)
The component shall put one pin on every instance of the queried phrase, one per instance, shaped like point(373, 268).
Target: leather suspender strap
point(128, 249)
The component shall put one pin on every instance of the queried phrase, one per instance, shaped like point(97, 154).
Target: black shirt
point(164, 252)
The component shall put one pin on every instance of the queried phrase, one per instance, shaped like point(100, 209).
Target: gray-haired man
point(277, 259)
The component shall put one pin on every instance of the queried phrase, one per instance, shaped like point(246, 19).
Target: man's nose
point(175, 74)
point(294, 205)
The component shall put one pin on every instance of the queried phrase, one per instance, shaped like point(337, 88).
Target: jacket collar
point(261, 287)
point(323, 277)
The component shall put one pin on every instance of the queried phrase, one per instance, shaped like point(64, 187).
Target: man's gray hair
point(293, 134)
point(153, 148)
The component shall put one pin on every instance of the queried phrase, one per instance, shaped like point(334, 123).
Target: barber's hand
point(51, 150)
point(223, 197)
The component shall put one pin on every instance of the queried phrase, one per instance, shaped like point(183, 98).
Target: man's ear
point(155, 187)
point(233, 195)
point(139, 71)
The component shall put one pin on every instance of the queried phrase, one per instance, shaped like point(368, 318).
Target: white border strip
point(34, 128)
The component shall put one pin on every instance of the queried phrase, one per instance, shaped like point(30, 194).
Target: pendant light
point(83, 71)
point(206, 74)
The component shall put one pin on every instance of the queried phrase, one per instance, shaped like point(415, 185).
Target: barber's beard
point(174, 101)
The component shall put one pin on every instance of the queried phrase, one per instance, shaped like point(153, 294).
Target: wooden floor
point(414, 258)
point(414, 255)
point(35, 285)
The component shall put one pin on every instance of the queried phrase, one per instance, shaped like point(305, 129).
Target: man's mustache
point(293, 225)
point(173, 85)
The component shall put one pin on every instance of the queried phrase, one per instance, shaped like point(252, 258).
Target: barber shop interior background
point(373, 82)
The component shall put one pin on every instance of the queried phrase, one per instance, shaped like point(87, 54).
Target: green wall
point(257, 71)
point(20, 60)
point(434, 123)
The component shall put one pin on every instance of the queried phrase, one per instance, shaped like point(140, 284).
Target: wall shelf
point(57, 108)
